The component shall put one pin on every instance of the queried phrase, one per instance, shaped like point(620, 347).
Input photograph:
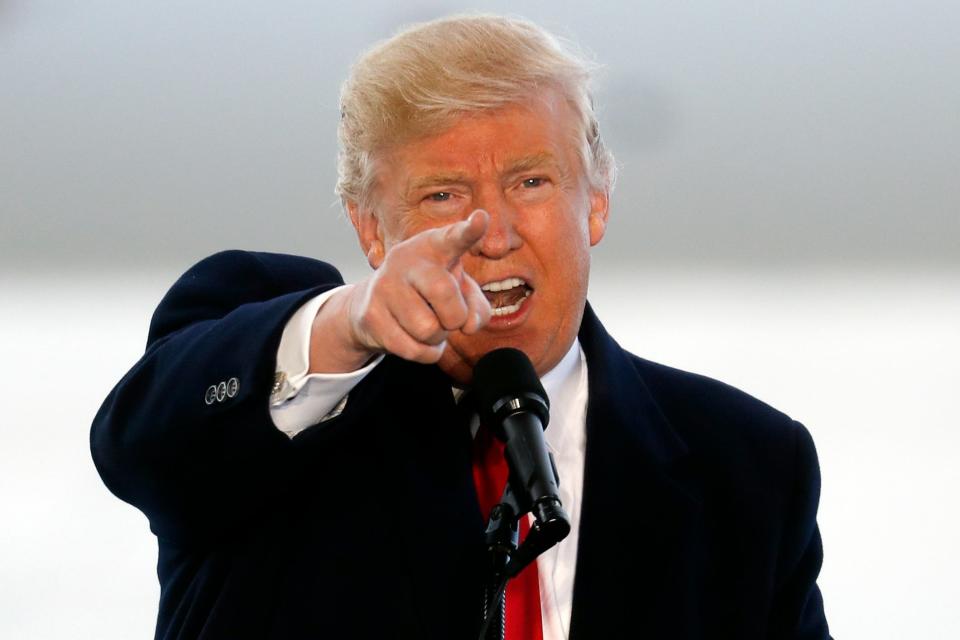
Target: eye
point(440, 196)
point(532, 183)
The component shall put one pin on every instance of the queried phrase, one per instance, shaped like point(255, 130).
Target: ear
point(367, 225)
point(599, 213)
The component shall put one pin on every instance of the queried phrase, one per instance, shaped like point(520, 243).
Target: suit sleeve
point(193, 461)
point(798, 612)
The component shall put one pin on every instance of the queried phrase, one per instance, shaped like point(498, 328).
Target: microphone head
point(505, 382)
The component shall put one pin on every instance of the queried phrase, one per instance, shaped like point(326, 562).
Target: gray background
point(786, 221)
point(749, 133)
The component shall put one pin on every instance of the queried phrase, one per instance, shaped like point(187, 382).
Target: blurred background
point(786, 220)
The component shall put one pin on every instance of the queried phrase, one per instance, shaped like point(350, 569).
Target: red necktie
point(523, 592)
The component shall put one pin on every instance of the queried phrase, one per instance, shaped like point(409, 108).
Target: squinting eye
point(440, 196)
point(533, 182)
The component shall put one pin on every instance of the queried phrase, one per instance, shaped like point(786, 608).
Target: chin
point(459, 371)
point(458, 360)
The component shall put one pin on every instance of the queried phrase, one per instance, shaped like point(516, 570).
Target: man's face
point(520, 164)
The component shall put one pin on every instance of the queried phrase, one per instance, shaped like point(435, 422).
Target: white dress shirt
point(299, 400)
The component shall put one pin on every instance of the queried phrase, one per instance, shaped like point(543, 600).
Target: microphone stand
point(502, 537)
point(507, 558)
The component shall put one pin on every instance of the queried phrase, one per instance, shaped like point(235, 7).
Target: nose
point(501, 237)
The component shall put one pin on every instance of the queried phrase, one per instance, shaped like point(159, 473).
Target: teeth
point(503, 285)
point(513, 308)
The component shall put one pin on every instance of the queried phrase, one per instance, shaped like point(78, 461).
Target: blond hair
point(420, 80)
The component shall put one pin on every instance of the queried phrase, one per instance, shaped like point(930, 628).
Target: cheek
point(568, 264)
point(398, 226)
point(562, 238)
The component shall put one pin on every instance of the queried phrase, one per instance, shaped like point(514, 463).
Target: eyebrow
point(530, 162)
point(436, 179)
point(520, 165)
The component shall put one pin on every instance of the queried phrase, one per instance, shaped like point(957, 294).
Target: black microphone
point(513, 404)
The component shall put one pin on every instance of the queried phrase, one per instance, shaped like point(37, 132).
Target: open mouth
point(506, 296)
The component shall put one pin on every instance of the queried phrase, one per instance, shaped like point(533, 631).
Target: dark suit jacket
point(698, 515)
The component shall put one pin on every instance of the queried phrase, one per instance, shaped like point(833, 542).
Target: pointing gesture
point(415, 298)
point(454, 240)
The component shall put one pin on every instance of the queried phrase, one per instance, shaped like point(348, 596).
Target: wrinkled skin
point(500, 194)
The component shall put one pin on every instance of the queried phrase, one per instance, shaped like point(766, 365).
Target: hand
point(408, 306)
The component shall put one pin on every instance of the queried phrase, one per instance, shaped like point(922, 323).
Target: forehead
point(541, 130)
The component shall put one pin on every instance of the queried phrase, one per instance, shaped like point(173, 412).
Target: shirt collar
point(561, 380)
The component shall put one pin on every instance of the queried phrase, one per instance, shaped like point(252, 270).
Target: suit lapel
point(639, 552)
point(637, 556)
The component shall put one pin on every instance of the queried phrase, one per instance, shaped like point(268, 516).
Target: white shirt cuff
point(298, 399)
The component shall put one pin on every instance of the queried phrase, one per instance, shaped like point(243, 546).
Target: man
point(296, 443)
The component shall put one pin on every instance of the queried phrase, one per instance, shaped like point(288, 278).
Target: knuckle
point(379, 290)
point(423, 328)
point(454, 317)
point(438, 287)
point(436, 337)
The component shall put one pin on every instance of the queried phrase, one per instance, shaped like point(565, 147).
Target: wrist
point(334, 347)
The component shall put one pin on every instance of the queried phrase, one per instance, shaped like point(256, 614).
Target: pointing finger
point(456, 239)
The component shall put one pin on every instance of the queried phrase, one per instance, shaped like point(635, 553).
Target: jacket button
point(211, 395)
point(221, 391)
point(233, 385)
